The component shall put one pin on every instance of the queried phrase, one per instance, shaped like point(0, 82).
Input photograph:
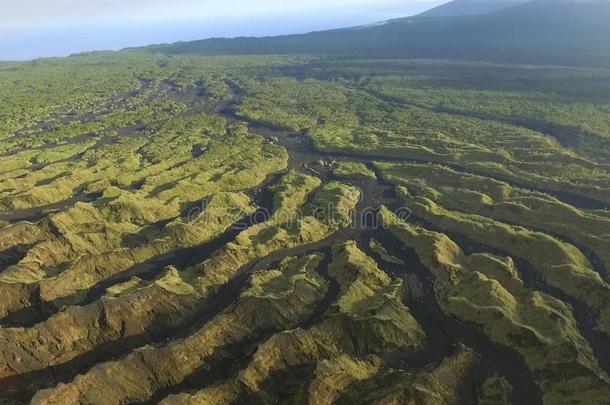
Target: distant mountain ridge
point(470, 7)
point(559, 32)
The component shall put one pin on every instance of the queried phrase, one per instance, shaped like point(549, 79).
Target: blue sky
point(37, 28)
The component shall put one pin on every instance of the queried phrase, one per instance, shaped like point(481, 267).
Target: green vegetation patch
point(480, 195)
point(353, 170)
point(486, 290)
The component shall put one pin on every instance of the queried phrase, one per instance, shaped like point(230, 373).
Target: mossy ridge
point(145, 312)
point(180, 176)
point(571, 113)
point(220, 394)
point(333, 377)
point(251, 160)
point(277, 284)
point(345, 379)
point(487, 290)
point(102, 225)
point(367, 318)
point(125, 288)
point(92, 261)
point(86, 141)
point(265, 98)
point(31, 192)
point(290, 191)
point(275, 300)
point(56, 87)
point(21, 233)
point(124, 219)
point(33, 158)
point(350, 328)
point(360, 283)
point(353, 170)
point(283, 231)
point(335, 203)
point(142, 115)
point(76, 88)
point(358, 123)
point(560, 264)
point(87, 270)
point(89, 229)
point(498, 200)
point(441, 385)
point(204, 279)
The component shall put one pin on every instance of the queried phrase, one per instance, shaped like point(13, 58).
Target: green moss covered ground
point(262, 229)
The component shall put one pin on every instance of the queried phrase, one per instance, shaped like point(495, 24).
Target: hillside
point(539, 32)
point(470, 7)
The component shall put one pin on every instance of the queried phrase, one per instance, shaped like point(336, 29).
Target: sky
point(41, 28)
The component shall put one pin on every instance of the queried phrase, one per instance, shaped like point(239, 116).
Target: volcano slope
point(213, 230)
